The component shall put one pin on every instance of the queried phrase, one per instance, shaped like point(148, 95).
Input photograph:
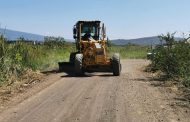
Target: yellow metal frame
point(99, 59)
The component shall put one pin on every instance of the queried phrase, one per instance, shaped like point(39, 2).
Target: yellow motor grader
point(91, 46)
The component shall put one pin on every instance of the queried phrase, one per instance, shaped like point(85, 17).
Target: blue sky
point(123, 18)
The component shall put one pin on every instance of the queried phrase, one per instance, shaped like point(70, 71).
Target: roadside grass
point(16, 58)
point(50, 57)
point(129, 51)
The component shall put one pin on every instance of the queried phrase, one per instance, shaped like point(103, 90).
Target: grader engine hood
point(100, 55)
point(94, 54)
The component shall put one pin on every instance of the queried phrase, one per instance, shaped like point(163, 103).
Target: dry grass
point(19, 85)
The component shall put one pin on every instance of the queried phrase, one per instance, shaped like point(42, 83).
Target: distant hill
point(140, 41)
point(12, 35)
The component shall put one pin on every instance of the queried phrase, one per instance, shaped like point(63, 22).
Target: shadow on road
point(88, 75)
point(68, 70)
point(50, 72)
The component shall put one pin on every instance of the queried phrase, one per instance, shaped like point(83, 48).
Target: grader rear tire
point(116, 65)
point(78, 64)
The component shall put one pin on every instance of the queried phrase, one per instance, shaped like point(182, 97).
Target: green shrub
point(16, 58)
point(173, 58)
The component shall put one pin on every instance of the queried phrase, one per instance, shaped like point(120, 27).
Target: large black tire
point(72, 57)
point(78, 64)
point(116, 65)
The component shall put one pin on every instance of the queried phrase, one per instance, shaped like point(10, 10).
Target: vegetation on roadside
point(16, 58)
point(173, 59)
point(129, 51)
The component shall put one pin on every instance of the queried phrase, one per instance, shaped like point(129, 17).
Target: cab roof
point(96, 21)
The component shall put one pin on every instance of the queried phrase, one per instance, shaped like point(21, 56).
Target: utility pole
point(4, 30)
point(0, 28)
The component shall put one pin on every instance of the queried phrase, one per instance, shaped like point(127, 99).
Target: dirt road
point(98, 97)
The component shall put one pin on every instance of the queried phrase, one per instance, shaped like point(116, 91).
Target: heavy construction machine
point(91, 49)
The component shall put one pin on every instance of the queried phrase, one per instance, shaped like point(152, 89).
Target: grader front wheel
point(78, 64)
point(116, 65)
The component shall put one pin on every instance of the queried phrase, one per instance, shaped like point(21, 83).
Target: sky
point(124, 19)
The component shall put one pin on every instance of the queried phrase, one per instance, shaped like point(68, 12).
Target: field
point(18, 57)
point(130, 51)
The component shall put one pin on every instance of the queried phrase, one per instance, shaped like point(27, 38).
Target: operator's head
point(89, 31)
